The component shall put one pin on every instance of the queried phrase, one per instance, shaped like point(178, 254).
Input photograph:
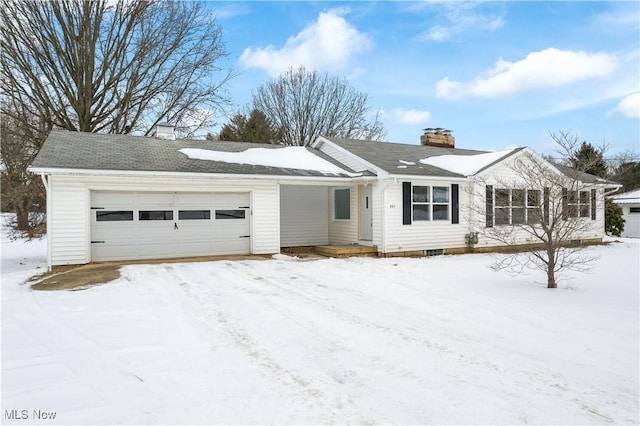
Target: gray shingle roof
point(386, 156)
point(584, 177)
point(93, 151)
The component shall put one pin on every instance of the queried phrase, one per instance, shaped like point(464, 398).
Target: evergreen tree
point(256, 128)
point(590, 160)
point(613, 220)
point(627, 174)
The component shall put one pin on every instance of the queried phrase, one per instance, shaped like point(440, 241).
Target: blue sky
point(499, 74)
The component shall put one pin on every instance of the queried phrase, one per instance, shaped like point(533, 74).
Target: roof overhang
point(190, 175)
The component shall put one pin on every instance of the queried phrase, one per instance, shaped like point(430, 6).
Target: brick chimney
point(437, 137)
point(165, 131)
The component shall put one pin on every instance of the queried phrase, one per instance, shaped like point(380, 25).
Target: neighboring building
point(630, 204)
point(115, 197)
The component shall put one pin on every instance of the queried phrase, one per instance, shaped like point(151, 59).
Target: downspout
point(47, 187)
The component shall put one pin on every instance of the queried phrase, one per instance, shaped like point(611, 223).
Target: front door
point(365, 217)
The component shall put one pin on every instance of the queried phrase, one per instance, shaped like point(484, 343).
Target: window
point(342, 204)
point(230, 214)
point(194, 214)
point(634, 209)
point(155, 215)
point(534, 209)
point(430, 203)
point(502, 207)
point(517, 206)
point(114, 215)
point(577, 204)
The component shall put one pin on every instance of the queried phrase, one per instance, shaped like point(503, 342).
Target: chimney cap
point(164, 130)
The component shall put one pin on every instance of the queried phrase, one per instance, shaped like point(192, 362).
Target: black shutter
point(593, 204)
point(565, 196)
point(406, 203)
point(455, 214)
point(489, 206)
point(545, 206)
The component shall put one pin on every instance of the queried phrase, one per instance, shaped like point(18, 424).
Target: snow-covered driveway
point(405, 341)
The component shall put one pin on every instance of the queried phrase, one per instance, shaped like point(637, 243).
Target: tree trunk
point(22, 217)
point(551, 279)
point(551, 267)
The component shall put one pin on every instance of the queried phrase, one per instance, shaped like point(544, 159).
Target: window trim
point(182, 214)
point(335, 204)
point(526, 207)
point(223, 214)
point(167, 215)
point(106, 213)
point(430, 203)
point(575, 207)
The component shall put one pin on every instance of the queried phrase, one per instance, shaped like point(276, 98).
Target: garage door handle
point(96, 242)
point(244, 236)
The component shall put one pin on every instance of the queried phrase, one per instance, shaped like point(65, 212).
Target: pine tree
point(590, 160)
point(256, 128)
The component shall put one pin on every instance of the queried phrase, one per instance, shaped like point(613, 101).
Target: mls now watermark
point(29, 415)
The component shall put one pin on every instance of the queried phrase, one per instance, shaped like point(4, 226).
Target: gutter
point(190, 175)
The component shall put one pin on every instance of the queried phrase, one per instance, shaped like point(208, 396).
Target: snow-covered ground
point(406, 341)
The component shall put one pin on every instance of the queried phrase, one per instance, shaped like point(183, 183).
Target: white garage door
point(147, 225)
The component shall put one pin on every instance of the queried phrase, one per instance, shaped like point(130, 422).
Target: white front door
point(365, 217)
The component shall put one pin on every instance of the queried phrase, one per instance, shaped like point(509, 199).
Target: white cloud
point(546, 68)
point(230, 10)
point(628, 107)
point(411, 116)
point(327, 43)
point(461, 17)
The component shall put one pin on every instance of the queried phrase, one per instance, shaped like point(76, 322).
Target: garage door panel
point(113, 252)
point(165, 224)
point(113, 198)
point(194, 198)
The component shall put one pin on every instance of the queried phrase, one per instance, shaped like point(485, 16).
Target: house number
point(392, 206)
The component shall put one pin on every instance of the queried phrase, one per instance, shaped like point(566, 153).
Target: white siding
point(344, 231)
point(421, 235)
point(68, 222)
point(70, 210)
point(378, 204)
point(504, 176)
point(304, 215)
point(265, 208)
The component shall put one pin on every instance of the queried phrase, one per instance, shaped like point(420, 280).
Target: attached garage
point(121, 197)
point(147, 225)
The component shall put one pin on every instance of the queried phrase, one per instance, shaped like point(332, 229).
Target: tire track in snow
point(238, 335)
point(292, 288)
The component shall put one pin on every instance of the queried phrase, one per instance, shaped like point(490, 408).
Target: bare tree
point(22, 192)
point(102, 66)
point(307, 104)
point(112, 66)
point(547, 208)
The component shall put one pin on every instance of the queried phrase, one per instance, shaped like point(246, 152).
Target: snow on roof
point(291, 157)
point(631, 197)
point(466, 165)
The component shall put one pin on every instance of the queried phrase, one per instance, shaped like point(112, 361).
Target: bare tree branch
point(546, 206)
point(306, 104)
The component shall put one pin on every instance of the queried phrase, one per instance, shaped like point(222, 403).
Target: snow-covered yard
point(436, 340)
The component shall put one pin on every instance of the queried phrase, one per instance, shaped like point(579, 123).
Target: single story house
point(117, 197)
point(630, 204)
